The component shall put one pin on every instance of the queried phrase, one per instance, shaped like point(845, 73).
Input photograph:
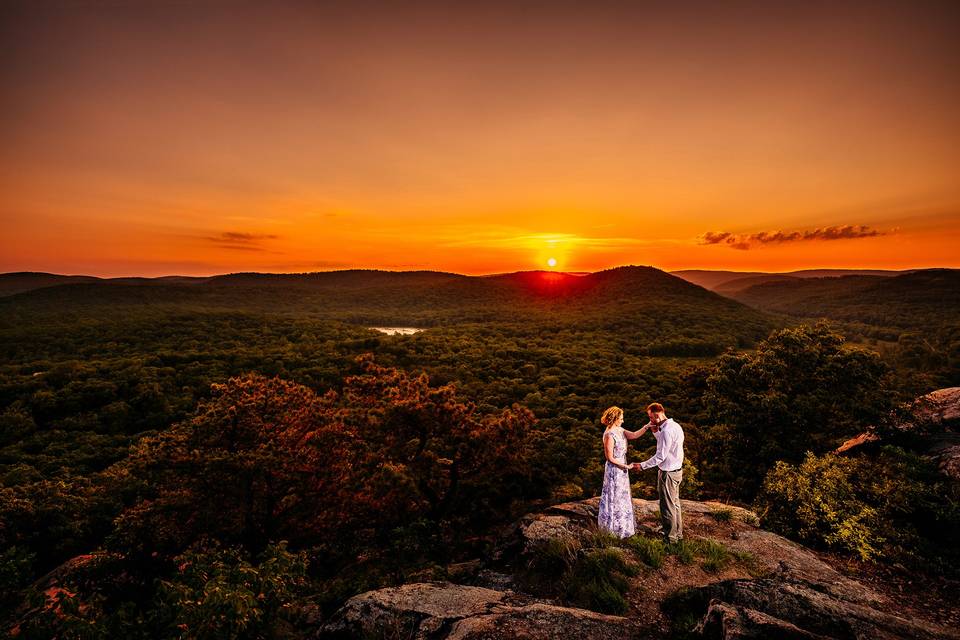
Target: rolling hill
point(641, 304)
point(908, 300)
point(730, 281)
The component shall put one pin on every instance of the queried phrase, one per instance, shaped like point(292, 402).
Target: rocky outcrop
point(762, 608)
point(738, 623)
point(787, 592)
point(930, 424)
point(938, 410)
point(739, 532)
point(452, 611)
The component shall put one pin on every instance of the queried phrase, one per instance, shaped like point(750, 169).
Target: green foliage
point(16, 569)
point(801, 390)
point(592, 572)
point(715, 556)
point(599, 581)
point(650, 551)
point(218, 593)
point(214, 593)
point(554, 557)
point(893, 506)
point(684, 550)
point(913, 319)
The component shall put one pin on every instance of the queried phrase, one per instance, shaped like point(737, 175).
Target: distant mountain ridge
point(738, 280)
point(928, 297)
point(20, 281)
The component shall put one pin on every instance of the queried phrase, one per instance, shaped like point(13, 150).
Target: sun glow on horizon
point(552, 262)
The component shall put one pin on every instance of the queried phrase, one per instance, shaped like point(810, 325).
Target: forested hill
point(922, 298)
point(643, 302)
point(722, 281)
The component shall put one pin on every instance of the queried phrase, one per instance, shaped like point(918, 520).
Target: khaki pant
point(668, 488)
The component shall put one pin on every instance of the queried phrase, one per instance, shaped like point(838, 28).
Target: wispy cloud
point(748, 241)
point(240, 240)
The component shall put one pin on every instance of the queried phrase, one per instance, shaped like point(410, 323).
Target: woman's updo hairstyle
point(611, 415)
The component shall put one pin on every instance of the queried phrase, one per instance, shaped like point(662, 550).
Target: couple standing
point(616, 505)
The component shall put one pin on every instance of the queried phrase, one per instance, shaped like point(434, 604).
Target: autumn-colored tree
point(267, 459)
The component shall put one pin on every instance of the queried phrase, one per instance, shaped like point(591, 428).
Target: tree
point(267, 459)
point(801, 390)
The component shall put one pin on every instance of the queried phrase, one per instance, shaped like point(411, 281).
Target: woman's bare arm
point(633, 435)
point(608, 452)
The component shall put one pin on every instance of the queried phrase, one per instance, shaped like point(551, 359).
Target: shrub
point(552, 558)
point(599, 580)
point(772, 404)
point(894, 505)
point(218, 593)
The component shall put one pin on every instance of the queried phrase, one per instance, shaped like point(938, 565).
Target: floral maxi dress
point(616, 505)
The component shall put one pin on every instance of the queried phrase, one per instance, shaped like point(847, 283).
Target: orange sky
point(205, 137)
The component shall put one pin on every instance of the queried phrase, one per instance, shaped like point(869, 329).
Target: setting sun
point(552, 262)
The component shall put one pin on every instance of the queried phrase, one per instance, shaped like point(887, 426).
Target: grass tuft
point(601, 540)
point(600, 580)
point(716, 557)
point(650, 551)
point(722, 514)
point(684, 550)
point(552, 558)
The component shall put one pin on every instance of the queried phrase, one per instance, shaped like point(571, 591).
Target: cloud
point(240, 240)
point(744, 242)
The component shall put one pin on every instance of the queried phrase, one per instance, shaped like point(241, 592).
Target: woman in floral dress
point(616, 504)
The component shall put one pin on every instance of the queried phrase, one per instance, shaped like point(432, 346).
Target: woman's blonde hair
point(610, 415)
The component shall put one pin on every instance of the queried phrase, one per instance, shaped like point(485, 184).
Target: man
point(669, 462)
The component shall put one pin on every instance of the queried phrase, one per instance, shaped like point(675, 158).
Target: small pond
point(397, 331)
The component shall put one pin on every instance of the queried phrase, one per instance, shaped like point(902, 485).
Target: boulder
point(938, 410)
point(727, 622)
point(541, 621)
point(934, 417)
point(410, 610)
point(443, 610)
point(753, 608)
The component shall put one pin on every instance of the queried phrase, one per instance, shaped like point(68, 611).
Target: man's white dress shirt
point(669, 455)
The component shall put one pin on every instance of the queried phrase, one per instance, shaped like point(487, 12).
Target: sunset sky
point(155, 138)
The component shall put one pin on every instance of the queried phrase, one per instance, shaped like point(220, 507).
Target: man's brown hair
point(656, 407)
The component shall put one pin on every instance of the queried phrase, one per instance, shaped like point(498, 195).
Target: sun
point(552, 262)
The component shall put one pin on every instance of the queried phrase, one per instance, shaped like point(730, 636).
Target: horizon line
point(478, 275)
